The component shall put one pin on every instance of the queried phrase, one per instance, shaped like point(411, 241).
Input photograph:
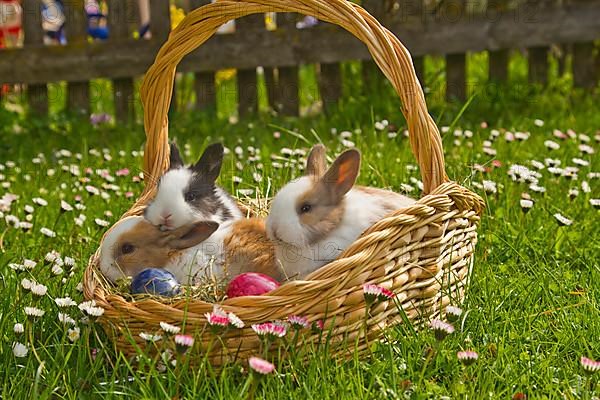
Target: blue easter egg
point(155, 281)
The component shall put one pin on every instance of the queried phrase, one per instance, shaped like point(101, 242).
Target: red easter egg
point(251, 284)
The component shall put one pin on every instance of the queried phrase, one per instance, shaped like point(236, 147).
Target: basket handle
point(201, 24)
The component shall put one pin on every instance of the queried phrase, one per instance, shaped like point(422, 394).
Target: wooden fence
point(450, 28)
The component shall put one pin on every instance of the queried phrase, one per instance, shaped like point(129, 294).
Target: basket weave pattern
point(422, 253)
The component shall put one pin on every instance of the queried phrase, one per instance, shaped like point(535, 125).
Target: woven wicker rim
point(395, 62)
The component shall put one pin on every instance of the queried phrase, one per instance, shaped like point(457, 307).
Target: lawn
point(531, 312)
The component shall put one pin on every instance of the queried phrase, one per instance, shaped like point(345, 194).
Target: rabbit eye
point(127, 248)
point(305, 208)
point(190, 196)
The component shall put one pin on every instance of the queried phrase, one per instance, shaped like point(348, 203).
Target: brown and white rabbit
point(134, 244)
point(314, 218)
point(188, 194)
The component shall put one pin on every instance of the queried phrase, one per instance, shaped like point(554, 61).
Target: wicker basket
point(423, 253)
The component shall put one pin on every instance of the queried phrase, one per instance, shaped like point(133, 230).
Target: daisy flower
point(183, 343)
point(317, 326)
point(48, 232)
point(19, 350)
point(39, 201)
point(562, 220)
point(150, 338)
point(57, 269)
point(453, 313)
point(170, 329)
point(441, 329)
point(65, 207)
point(34, 312)
point(29, 264)
point(526, 205)
point(467, 357)
point(39, 290)
point(590, 366)
point(52, 256)
point(374, 293)
point(261, 366)
point(270, 329)
point(26, 284)
point(235, 321)
point(298, 322)
point(73, 334)
point(18, 328)
point(64, 302)
point(66, 319)
point(101, 222)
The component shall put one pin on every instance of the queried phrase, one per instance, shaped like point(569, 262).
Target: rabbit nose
point(166, 216)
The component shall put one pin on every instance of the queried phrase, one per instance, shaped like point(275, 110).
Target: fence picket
point(498, 59)
point(285, 91)
point(246, 78)
point(585, 72)
point(37, 94)
point(456, 63)
point(204, 82)
point(537, 55)
point(78, 93)
point(122, 86)
point(330, 84)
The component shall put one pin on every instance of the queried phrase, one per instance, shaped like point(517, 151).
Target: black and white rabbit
point(189, 194)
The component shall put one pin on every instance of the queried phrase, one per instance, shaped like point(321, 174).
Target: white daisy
point(101, 222)
point(70, 262)
point(57, 269)
point(39, 201)
point(73, 333)
point(34, 312)
point(39, 290)
point(562, 220)
point(65, 302)
point(19, 350)
point(48, 232)
point(18, 328)
point(149, 337)
point(66, 319)
point(26, 284)
point(170, 329)
point(65, 207)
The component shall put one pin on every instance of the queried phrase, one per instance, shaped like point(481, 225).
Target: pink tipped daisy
point(298, 322)
point(261, 366)
point(453, 313)
point(270, 330)
point(183, 343)
point(317, 326)
point(441, 329)
point(376, 293)
point(467, 357)
point(590, 366)
point(217, 320)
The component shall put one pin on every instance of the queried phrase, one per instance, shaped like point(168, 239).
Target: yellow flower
point(177, 15)
point(224, 75)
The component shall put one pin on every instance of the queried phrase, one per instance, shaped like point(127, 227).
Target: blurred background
point(86, 57)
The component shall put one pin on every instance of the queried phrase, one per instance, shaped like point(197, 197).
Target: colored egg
point(251, 284)
point(155, 281)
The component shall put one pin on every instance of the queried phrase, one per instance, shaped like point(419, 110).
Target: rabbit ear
point(316, 163)
point(191, 235)
point(340, 178)
point(209, 164)
point(175, 160)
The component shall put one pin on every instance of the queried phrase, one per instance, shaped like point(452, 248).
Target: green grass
point(532, 307)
